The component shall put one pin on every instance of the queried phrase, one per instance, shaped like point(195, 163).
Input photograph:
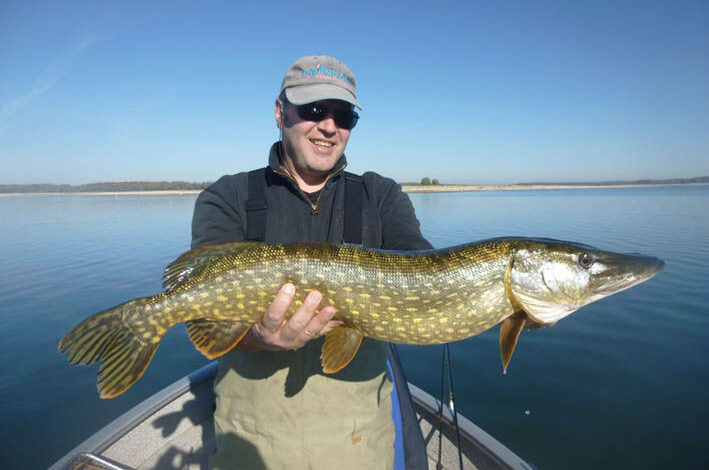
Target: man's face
point(312, 148)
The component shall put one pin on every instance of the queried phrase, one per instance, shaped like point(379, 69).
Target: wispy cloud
point(56, 69)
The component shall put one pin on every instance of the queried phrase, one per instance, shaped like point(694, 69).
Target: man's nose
point(328, 124)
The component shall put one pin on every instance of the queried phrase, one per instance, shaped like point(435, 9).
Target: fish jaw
point(615, 272)
point(552, 279)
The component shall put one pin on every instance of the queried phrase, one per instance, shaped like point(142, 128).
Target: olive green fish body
point(424, 297)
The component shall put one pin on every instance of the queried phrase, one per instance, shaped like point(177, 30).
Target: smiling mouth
point(322, 143)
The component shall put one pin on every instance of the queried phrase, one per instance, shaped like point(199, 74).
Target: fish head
point(550, 279)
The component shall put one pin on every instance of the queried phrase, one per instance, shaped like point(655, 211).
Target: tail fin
point(104, 337)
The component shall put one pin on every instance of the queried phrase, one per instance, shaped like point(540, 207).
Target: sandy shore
point(439, 188)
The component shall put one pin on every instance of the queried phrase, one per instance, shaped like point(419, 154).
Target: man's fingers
point(318, 325)
point(302, 317)
point(276, 314)
point(276, 332)
point(331, 325)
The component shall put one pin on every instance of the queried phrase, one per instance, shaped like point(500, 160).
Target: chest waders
point(409, 444)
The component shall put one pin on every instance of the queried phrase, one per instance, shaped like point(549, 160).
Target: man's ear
point(280, 112)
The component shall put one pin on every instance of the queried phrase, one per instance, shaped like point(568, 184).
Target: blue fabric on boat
point(408, 442)
point(399, 458)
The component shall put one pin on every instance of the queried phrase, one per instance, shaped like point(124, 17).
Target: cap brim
point(304, 94)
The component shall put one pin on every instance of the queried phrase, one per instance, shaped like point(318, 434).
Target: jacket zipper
point(313, 205)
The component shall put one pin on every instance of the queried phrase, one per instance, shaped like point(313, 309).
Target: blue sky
point(466, 92)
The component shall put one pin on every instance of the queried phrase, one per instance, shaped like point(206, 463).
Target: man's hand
point(276, 333)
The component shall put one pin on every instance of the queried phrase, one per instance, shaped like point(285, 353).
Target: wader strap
point(256, 206)
point(353, 209)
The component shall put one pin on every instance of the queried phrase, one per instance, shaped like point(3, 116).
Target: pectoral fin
point(510, 330)
point(340, 348)
point(213, 338)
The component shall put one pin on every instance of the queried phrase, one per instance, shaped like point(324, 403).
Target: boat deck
point(174, 430)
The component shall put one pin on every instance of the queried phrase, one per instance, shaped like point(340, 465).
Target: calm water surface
point(620, 384)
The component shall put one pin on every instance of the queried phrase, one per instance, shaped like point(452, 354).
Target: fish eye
point(585, 260)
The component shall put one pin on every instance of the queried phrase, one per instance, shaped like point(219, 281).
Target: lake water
point(620, 384)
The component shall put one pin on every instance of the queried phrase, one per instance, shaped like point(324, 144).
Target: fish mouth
point(626, 271)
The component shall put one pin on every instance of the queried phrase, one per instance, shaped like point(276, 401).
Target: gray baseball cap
point(315, 78)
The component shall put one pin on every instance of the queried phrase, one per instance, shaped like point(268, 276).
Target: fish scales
point(425, 297)
point(395, 297)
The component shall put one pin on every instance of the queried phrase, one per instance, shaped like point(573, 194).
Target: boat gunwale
point(123, 424)
point(483, 441)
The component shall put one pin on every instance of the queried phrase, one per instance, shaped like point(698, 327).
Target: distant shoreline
point(157, 192)
point(408, 188)
point(446, 188)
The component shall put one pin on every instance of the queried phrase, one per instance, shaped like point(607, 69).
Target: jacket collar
point(275, 158)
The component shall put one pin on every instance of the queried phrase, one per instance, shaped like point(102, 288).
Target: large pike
point(418, 297)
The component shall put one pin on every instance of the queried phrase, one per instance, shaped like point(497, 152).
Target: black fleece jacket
point(388, 218)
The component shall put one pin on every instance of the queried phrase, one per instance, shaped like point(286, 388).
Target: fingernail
point(289, 289)
point(329, 313)
point(315, 296)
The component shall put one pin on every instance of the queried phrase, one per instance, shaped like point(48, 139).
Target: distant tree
point(435, 181)
point(426, 181)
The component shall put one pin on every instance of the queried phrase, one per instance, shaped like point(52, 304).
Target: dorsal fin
point(192, 262)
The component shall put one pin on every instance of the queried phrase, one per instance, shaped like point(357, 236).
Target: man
point(275, 407)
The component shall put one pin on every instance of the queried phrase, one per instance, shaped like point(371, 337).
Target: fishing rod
point(446, 367)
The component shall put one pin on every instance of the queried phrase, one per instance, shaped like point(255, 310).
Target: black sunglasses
point(316, 112)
